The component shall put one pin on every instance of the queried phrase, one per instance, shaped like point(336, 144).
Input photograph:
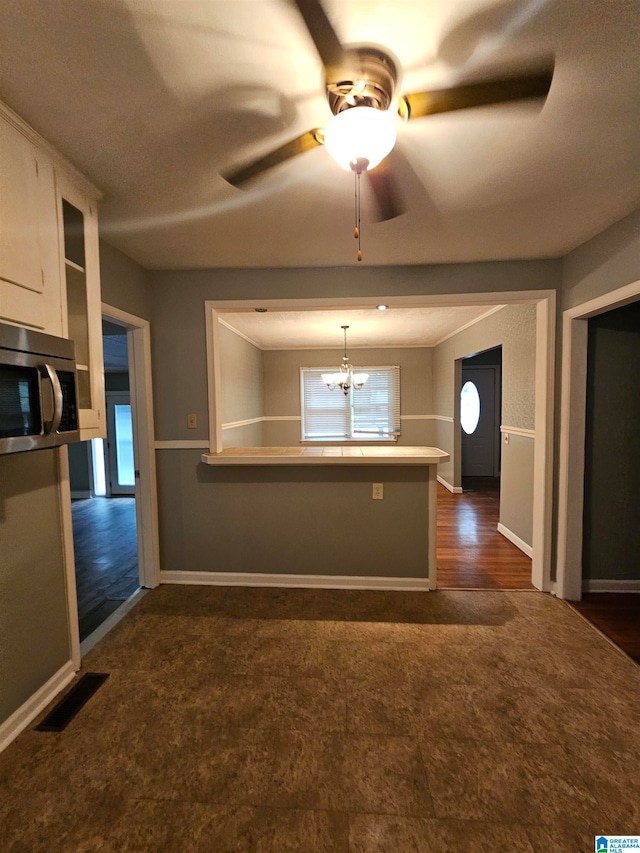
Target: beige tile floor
point(311, 720)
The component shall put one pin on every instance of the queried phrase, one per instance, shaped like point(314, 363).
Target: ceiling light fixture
point(382, 307)
point(358, 138)
point(344, 378)
point(360, 135)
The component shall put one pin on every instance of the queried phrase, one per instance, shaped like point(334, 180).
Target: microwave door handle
point(57, 398)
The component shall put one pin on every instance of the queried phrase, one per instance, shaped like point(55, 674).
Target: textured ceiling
point(400, 327)
point(152, 98)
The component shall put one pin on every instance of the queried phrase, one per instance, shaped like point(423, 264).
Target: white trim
point(141, 394)
point(29, 710)
point(515, 540)
point(542, 515)
point(610, 585)
point(469, 324)
point(111, 621)
point(183, 444)
point(247, 422)
point(425, 418)
point(214, 381)
point(269, 418)
point(294, 581)
point(525, 433)
point(572, 434)
point(239, 334)
point(441, 300)
point(455, 490)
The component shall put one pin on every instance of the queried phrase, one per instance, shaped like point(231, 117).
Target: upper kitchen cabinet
point(82, 308)
point(30, 284)
point(49, 263)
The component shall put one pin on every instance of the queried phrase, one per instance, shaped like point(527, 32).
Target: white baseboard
point(80, 494)
point(456, 490)
point(294, 581)
point(516, 540)
point(607, 585)
point(20, 719)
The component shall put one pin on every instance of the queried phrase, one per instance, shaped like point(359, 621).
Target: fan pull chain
point(356, 230)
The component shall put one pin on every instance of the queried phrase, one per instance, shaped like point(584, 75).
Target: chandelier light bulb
point(360, 133)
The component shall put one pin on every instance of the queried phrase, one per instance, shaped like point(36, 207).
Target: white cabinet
point(49, 263)
point(82, 307)
point(30, 285)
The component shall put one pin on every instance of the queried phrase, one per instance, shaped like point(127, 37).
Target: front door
point(120, 464)
point(480, 422)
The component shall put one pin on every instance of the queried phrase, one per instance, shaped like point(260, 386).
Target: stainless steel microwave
point(38, 390)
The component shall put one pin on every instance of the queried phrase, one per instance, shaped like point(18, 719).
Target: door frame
point(140, 390)
point(573, 406)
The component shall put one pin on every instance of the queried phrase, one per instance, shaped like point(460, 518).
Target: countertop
point(327, 455)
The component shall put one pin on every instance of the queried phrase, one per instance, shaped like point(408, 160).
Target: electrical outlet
point(192, 421)
point(378, 492)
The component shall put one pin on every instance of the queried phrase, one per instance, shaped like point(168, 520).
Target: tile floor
point(311, 720)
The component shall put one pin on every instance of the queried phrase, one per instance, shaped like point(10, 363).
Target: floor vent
point(69, 705)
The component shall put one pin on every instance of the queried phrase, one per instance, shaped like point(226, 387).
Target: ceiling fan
point(360, 84)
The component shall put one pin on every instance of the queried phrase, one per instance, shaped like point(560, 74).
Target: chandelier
point(344, 378)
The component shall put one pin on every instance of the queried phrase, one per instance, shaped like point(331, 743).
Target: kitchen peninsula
point(306, 516)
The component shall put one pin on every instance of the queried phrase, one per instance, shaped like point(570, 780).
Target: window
point(469, 407)
point(371, 413)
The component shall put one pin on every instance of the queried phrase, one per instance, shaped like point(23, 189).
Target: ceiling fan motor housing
point(366, 78)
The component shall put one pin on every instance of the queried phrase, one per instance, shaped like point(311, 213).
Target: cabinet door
point(29, 249)
point(83, 307)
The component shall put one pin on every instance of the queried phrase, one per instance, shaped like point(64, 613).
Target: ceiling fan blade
point(386, 192)
point(310, 139)
point(324, 36)
point(484, 93)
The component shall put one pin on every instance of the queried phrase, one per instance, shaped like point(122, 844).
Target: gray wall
point(611, 538)
point(124, 282)
point(34, 626)
point(606, 262)
point(192, 514)
point(276, 520)
point(80, 469)
point(116, 382)
point(514, 328)
point(282, 387)
point(242, 388)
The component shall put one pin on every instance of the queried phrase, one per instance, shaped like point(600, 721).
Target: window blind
point(371, 413)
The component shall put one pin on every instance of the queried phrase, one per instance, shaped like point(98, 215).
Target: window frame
point(393, 411)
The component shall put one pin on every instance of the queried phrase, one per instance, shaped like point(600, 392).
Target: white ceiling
point(317, 329)
point(152, 98)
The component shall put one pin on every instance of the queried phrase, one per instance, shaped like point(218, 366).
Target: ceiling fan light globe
point(360, 133)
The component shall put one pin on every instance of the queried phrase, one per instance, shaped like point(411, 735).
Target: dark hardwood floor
point(617, 615)
point(471, 554)
point(106, 555)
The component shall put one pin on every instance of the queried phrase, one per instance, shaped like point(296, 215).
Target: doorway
point(102, 479)
point(142, 507)
point(472, 552)
point(480, 407)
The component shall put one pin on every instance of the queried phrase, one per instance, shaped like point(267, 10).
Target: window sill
point(346, 442)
